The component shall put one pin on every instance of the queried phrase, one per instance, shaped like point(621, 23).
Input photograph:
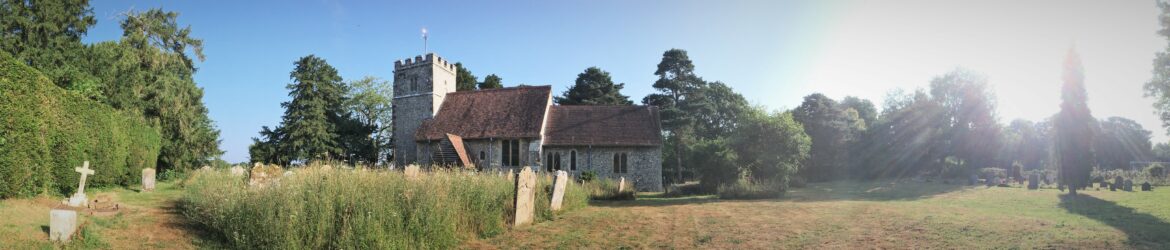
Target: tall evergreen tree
point(464, 80)
point(47, 36)
point(678, 98)
point(311, 118)
point(594, 87)
point(1074, 127)
point(491, 82)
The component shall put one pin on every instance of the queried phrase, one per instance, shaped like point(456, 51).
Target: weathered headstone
point(79, 199)
point(559, 185)
point(525, 197)
point(205, 168)
point(1129, 185)
point(1146, 186)
point(262, 175)
point(1113, 186)
point(148, 179)
point(1034, 181)
point(1103, 184)
point(238, 171)
point(62, 224)
point(411, 171)
point(622, 184)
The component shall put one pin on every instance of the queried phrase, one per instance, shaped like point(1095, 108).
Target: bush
point(745, 189)
point(588, 175)
point(1157, 170)
point(47, 131)
point(356, 209)
point(991, 173)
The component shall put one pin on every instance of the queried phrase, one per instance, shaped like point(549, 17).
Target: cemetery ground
point(878, 214)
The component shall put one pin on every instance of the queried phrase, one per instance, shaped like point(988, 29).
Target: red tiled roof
point(516, 112)
point(603, 126)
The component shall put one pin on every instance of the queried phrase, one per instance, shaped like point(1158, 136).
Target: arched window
point(625, 168)
point(617, 160)
point(482, 156)
point(573, 160)
point(557, 161)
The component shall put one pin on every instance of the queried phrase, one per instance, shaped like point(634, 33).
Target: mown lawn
point(865, 215)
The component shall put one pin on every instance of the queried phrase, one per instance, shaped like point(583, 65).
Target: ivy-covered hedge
point(45, 132)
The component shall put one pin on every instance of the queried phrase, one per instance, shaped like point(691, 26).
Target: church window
point(548, 163)
point(625, 168)
point(482, 156)
point(557, 161)
point(510, 152)
point(573, 160)
point(617, 160)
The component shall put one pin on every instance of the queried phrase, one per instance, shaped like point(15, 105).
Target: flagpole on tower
point(424, 36)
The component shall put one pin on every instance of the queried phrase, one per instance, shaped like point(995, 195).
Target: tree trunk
point(1072, 189)
point(678, 158)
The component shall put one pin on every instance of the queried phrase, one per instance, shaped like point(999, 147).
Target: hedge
point(46, 131)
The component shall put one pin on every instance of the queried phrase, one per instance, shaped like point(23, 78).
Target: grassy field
point(824, 215)
point(866, 215)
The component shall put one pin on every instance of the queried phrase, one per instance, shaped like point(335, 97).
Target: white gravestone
point(525, 197)
point(622, 185)
point(559, 186)
point(411, 171)
point(79, 199)
point(62, 224)
point(148, 179)
point(238, 171)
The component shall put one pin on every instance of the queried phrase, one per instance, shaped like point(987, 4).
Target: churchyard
point(324, 207)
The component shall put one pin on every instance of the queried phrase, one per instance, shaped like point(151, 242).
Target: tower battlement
point(424, 60)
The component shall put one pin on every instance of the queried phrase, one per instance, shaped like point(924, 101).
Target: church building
point(509, 128)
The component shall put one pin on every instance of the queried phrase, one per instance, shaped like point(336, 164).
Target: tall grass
point(348, 209)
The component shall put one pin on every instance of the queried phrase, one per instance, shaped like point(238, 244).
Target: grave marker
point(148, 179)
point(1146, 186)
point(62, 224)
point(1034, 181)
point(622, 184)
point(1129, 185)
point(411, 171)
point(79, 199)
point(525, 197)
point(238, 171)
point(559, 186)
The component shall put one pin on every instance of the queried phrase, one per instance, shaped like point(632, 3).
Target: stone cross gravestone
point(62, 224)
point(411, 171)
point(148, 179)
point(79, 199)
point(1146, 186)
point(525, 197)
point(1034, 181)
point(622, 185)
point(1129, 185)
point(559, 185)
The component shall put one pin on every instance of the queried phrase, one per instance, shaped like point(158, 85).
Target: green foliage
point(770, 147)
point(49, 131)
point(715, 163)
point(491, 82)
point(464, 79)
point(1159, 85)
point(588, 175)
point(343, 209)
point(831, 131)
point(991, 173)
point(1074, 127)
point(594, 87)
point(1120, 141)
point(864, 108)
point(607, 189)
point(369, 100)
point(310, 122)
point(1156, 170)
point(47, 36)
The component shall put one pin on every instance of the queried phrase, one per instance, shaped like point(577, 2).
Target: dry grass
point(845, 215)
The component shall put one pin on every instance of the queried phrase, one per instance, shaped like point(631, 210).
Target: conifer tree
point(594, 87)
point(1074, 127)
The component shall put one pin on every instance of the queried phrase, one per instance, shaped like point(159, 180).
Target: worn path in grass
point(146, 221)
point(865, 215)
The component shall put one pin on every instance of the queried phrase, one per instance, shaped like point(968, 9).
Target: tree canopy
point(464, 80)
point(491, 81)
point(1074, 127)
point(594, 87)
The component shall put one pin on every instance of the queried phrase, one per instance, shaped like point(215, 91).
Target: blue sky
point(774, 52)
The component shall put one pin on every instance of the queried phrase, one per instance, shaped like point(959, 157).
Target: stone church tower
point(419, 88)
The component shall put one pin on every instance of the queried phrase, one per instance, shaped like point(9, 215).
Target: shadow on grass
point(1143, 229)
point(879, 190)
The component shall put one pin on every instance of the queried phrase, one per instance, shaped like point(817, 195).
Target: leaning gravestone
point(622, 185)
point(559, 186)
point(62, 224)
point(148, 179)
point(1146, 186)
point(411, 171)
point(525, 197)
point(1129, 185)
point(79, 199)
point(1034, 181)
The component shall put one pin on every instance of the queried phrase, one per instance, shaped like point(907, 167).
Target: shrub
point(991, 173)
point(47, 131)
point(588, 175)
point(746, 189)
point(356, 209)
point(1157, 170)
